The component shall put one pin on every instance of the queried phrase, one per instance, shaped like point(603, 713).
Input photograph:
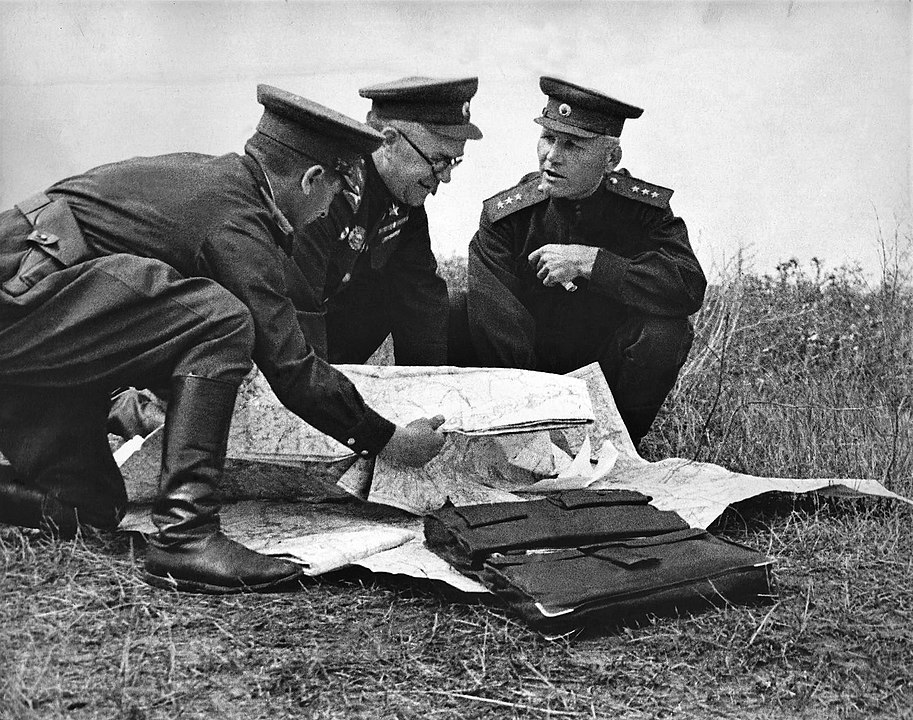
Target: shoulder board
point(516, 198)
point(621, 183)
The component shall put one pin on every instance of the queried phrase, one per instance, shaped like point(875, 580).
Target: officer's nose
point(445, 174)
point(553, 154)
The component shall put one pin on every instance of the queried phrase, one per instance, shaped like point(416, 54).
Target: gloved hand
point(416, 443)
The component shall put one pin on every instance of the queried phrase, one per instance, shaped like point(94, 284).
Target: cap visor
point(454, 132)
point(564, 128)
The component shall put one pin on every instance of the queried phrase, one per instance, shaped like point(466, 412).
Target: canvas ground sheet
point(509, 434)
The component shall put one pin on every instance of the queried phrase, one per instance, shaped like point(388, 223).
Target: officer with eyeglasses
point(379, 275)
point(171, 272)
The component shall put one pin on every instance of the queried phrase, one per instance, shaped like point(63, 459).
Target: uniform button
point(350, 441)
point(364, 452)
point(346, 277)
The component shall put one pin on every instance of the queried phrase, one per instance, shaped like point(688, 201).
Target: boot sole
point(192, 586)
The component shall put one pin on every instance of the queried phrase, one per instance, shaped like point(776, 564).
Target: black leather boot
point(62, 473)
point(33, 508)
point(190, 552)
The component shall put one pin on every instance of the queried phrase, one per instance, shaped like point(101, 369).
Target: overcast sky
point(783, 127)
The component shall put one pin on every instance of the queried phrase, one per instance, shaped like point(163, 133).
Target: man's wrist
point(586, 259)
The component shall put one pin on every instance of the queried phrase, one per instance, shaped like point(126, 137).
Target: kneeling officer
point(170, 272)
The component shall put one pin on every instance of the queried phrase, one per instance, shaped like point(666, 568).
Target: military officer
point(581, 262)
point(381, 275)
point(170, 271)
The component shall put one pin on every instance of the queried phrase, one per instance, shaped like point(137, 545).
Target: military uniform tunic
point(630, 316)
point(203, 217)
point(380, 276)
point(644, 265)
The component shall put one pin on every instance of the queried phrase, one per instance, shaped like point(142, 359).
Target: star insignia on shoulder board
point(621, 183)
point(394, 209)
point(514, 199)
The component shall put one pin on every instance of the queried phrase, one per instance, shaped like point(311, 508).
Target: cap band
point(324, 150)
point(583, 118)
point(443, 114)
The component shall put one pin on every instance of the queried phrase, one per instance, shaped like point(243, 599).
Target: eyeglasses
point(437, 166)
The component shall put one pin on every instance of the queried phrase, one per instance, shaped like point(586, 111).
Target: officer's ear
point(613, 156)
point(385, 155)
point(311, 177)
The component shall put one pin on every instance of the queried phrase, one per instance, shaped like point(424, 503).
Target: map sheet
point(510, 434)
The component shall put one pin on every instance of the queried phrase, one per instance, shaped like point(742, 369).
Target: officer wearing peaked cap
point(381, 275)
point(581, 262)
point(170, 271)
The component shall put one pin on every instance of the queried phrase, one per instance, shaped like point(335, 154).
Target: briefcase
point(610, 574)
point(467, 535)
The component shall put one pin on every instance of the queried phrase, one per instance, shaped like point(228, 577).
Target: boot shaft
point(193, 456)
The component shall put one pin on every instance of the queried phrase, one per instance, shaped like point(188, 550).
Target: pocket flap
point(56, 219)
point(482, 515)
point(664, 538)
point(625, 556)
point(572, 499)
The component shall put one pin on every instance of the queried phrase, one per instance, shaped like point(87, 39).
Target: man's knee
point(223, 339)
point(213, 308)
point(659, 343)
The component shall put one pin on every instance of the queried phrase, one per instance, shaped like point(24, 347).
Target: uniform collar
point(585, 205)
point(283, 232)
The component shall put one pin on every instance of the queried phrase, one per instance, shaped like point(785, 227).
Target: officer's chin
point(547, 186)
point(418, 196)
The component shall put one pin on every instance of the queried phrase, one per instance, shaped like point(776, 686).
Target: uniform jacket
point(645, 264)
point(370, 237)
point(205, 217)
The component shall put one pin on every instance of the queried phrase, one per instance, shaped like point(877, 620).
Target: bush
point(800, 373)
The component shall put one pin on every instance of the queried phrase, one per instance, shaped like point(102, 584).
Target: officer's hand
point(560, 264)
point(416, 443)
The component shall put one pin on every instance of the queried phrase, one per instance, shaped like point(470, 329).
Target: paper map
point(510, 434)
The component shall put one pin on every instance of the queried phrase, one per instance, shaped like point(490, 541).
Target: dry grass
point(794, 374)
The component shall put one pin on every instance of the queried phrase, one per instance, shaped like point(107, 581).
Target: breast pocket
point(40, 259)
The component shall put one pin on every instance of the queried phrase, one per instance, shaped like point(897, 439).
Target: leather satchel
point(467, 535)
point(609, 574)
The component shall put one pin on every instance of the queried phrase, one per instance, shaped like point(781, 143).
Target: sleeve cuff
point(370, 435)
point(608, 273)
